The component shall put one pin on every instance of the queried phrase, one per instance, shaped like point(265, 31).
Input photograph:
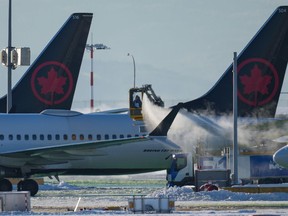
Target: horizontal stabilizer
point(206, 124)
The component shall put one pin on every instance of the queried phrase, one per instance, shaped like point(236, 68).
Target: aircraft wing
point(63, 153)
point(205, 123)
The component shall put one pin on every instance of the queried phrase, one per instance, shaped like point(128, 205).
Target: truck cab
point(181, 171)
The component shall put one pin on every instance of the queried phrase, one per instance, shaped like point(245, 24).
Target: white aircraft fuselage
point(67, 142)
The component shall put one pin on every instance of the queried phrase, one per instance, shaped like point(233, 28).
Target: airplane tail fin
point(261, 69)
point(164, 126)
point(50, 82)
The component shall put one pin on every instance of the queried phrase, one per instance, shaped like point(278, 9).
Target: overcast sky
point(181, 47)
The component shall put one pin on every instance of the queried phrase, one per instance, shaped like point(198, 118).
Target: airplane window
point(57, 137)
point(136, 135)
point(89, 136)
point(129, 135)
point(41, 137)
point(121, 136)
point(98, 137)
point(181, 163)
point(1, 137)
point(81, 137)
point(26, 137)
point(34, 137)
point(65, 137)
point(18, 137)
point(114, 136)
point(106, 137)
point(10, 137)
point(49, 137)
point(73, 136)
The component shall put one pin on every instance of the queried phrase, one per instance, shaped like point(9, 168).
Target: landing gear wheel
point(5, 185)
point(28, 185)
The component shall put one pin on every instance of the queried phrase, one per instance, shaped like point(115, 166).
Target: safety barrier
point(15, 201)
point(151, 205)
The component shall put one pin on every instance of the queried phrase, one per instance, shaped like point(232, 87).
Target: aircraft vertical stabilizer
point(261, 69)
point(50, 82)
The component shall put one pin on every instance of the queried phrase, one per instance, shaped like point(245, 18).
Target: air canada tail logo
point(52, 82)
point(258, 82)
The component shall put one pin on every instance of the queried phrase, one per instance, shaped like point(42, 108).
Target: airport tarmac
point(109, 196)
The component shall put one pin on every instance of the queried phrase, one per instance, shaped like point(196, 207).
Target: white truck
point(259, 169)
point(182, 172)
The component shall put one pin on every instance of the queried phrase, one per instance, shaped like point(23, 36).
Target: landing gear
point(5, 185)
point(23, 185)
point(28, 185)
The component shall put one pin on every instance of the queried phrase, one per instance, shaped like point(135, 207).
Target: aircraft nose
point(281, 156)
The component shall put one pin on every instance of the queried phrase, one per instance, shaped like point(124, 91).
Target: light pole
point(9, 49)
point(235, 120)
point(134, 67)
point(12, 57)
point(91, 48)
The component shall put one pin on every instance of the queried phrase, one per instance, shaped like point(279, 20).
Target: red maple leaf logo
point(48, 84)
point(52, 84)
point(256, 82)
